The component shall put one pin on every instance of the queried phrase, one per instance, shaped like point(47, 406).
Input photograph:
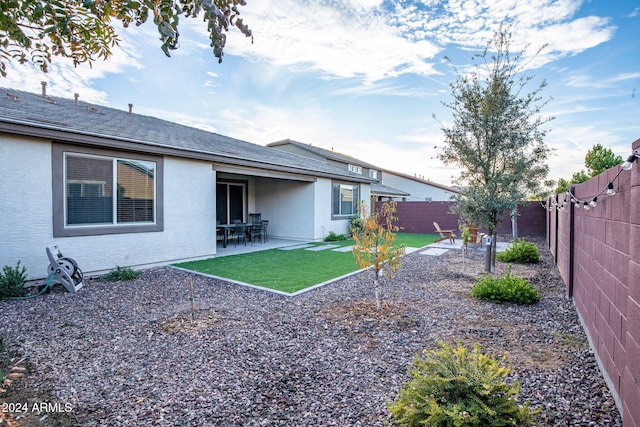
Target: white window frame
point(355, 169)
point(356, 202)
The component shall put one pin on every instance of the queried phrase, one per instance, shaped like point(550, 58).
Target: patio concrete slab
point(290, 248)
point(434, 251)
point(343, 249)
point(500, 246)
point(321, 248)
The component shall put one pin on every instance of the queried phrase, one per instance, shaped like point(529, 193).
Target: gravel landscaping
point(130, 354)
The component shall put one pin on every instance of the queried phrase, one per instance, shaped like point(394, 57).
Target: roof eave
point(87, 138)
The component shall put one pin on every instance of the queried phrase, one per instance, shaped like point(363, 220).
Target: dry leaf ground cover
point(128, 353)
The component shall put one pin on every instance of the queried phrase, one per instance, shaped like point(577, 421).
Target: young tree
point(374, 244)
point(496, 137)
point(32, 31)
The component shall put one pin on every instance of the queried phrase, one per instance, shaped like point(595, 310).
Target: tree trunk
point(377, 291)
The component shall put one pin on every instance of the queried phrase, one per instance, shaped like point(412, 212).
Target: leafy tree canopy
point(496, 137)
point(33, 31)
point(597, 160)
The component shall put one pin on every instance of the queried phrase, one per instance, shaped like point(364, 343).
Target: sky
point(366, 77)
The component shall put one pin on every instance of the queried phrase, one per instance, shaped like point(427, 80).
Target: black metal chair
point(239, 232)
point(265, 224)
point(256, 232)
point(255, 218)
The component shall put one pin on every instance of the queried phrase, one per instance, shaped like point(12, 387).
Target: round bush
point(521, 251)
point(456, 387)
point(505, 289)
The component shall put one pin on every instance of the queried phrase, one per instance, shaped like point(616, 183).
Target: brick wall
point(598, 256)
point(418, 217)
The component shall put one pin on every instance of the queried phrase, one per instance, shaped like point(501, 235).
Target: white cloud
point(333, 38)
point(368, 40)
point(64, 79)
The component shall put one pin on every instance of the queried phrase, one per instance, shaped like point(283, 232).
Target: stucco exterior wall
point(26, 216)
point(419, 191)
point(288, 205)
point(26, 227)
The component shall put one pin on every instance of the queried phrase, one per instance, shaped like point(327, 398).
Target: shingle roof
point(422, 181)
point(24, 112)
point(385, 190)
point(328, 154)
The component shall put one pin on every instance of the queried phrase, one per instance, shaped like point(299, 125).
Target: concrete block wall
point(598, 255)
point(418, 217)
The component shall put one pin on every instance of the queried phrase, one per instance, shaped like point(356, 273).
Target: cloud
point(335, 38)
point(373, 40)
point(64, 79)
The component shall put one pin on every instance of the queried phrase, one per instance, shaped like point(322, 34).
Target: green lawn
point(293, 270)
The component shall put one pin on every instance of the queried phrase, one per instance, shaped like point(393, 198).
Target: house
point(389, 185)
point(419, 188)
point(114, 188)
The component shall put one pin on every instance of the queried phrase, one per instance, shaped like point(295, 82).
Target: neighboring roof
point(422, 181)
point(68, 120)
point(385, 190)
point(328, 154)
point(333, 155)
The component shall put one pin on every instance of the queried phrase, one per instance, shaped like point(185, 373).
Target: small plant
point(121, 274)
point(375, 246)
point(12, 280)
point(465, 240)
point(4, 357)
point(506, 288)
point(333, 237)
point(356, 226)
point(521, 251)
point(457, 387)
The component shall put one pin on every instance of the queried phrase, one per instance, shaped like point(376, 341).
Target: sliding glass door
point(230, 202)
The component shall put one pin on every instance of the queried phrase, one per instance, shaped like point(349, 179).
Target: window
point(98, 193)
point(373, 173)
point(355, 169)
point(345, 199)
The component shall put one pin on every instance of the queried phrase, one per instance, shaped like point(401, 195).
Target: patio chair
point(256, 232)
point(239, 232)
point(444, 234)
point(219, 231)
point(475, 237)
point(255, 218)
point(265, 224)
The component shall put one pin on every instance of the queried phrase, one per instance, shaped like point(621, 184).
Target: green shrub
point(12, 281)
point(356, 225)
point(455, 387)
point(521, 251)
point(506, 288)
point(121, 274)
point(5, 360)
point(333, 237)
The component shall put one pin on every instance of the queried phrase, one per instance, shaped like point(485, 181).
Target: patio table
point(225, 232)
